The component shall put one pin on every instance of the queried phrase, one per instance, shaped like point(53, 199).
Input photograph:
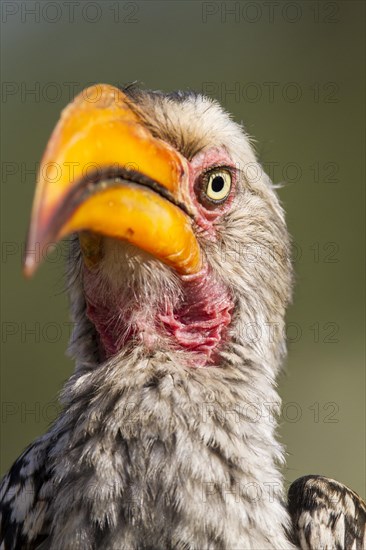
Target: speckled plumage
point(326, 514)
point(148, 452)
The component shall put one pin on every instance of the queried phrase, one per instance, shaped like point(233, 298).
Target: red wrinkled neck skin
point(198, 324)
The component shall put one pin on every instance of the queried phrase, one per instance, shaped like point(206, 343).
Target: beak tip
point(29, 266)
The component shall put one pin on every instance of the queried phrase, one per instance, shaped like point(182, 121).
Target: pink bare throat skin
point(198, 325)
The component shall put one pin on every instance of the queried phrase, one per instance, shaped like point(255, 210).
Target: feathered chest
point(171, 462)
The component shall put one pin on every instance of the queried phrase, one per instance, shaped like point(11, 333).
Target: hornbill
point(179, 277)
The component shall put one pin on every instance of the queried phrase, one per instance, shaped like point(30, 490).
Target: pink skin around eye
point(203, 162)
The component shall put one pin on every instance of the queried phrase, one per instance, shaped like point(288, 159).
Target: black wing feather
point(23, 507)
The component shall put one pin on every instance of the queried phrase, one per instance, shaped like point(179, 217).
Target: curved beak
point(104, 173)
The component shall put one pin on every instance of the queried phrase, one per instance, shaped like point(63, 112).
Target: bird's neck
point(195, 319)
point(167, 444)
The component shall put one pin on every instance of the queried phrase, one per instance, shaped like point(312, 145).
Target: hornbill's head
point(181, 242)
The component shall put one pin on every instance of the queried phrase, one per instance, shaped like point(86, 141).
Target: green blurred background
point(293, 72)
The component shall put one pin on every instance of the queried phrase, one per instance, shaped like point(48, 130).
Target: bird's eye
point(217, 185)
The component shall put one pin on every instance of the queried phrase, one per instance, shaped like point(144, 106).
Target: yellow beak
point(104, 173)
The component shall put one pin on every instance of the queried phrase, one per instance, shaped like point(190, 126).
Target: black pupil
point(218, 184)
